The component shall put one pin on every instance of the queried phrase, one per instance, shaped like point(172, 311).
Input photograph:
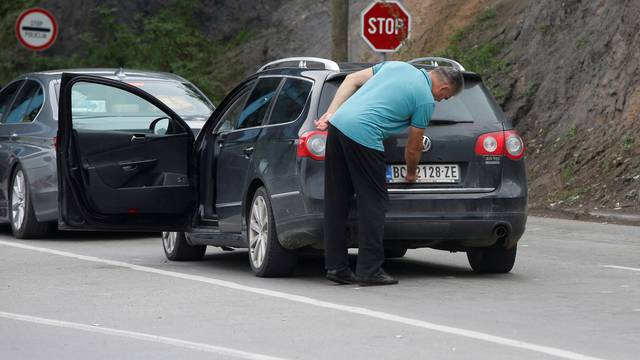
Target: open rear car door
point(124, 159)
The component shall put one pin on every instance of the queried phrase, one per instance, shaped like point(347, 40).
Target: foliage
point(482, 58)
point(572, 133)
point(487, 14)
point(164, 41)
point(627, 142)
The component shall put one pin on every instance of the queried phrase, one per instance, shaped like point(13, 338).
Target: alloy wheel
point(169, 240)
point(18, 194)
point(258, 231)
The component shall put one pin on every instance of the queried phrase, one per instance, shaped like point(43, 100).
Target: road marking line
point(476, 335)
point(619, 267)
point(139, 336)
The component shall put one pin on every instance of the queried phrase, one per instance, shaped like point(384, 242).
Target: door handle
point(139, 164)
point(248, 151)
point(14, 137)
point(137, 138)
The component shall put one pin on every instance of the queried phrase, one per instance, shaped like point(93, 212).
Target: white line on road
point(619, 267)
point(560, 353)
point(139, 336)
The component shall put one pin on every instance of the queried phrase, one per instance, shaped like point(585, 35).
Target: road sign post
point(385, 26)
point(36, 29)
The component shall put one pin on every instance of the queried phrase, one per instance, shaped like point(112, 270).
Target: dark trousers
point(352, 168)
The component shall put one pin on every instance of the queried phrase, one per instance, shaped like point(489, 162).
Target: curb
point(601, 216)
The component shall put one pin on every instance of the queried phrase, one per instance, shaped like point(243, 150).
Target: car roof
point(344, 69)
point(112, 73)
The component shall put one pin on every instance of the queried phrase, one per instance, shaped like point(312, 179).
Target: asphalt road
point(574, 294)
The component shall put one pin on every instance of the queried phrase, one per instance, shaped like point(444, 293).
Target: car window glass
point(258, 103)
point(7, 95)
point(183, 98)
point(290, 101)
point(103, 107)
point(474, 104)
point(26, 105)
point(231, 116)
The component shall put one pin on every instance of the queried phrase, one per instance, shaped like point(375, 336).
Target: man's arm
point(348, 87)
point(413, 152)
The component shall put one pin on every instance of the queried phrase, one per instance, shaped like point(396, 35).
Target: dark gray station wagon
point(253, 177)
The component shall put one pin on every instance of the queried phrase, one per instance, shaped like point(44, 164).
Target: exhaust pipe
point(500, 232)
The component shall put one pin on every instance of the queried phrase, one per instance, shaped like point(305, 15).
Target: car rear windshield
point(182, 98)
point(473, 105)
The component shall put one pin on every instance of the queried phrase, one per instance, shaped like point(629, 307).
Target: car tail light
point(498, 143)
point(312, 144)
point(55, 142)
point(513, 144)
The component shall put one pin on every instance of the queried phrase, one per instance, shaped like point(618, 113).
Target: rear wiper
point(449, 122)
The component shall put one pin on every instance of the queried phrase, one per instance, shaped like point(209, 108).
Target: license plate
point(432, 174)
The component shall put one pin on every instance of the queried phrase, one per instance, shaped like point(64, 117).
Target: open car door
point(124, 159)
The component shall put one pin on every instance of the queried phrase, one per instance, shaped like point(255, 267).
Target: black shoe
point(342, 276)
point(381, 278)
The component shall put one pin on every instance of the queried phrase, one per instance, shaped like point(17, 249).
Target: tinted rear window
point(473, 104)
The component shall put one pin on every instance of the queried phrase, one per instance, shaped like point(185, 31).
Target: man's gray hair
point(451, 76)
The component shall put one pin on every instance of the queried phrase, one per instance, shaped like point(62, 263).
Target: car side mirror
point(159, 126)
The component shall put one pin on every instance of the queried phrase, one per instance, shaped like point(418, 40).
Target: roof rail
point(302, 63)
point(435, 60)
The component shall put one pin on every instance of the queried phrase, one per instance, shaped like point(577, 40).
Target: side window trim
point(239, 94)
point(306, 104)
point(130, 89)
point(271, 101)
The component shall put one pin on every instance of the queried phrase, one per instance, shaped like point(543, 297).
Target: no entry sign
point(36, 29)
point(385, 25)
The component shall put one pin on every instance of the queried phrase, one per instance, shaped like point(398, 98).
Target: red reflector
point(513, 145)
point(312, 144)
point(132, 210)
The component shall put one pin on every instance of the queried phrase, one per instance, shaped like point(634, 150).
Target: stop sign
point(385, 25)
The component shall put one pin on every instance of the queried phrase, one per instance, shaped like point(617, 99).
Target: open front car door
point(124, 159)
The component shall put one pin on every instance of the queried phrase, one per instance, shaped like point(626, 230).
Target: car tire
point(267, 257)
point(176, 247)
point(390, 253)
point(494, 259)
point(22, 216)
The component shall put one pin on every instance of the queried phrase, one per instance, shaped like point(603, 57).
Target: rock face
point(574, 92)
point(570, 84)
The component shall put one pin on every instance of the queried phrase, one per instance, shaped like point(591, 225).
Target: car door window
point(256, 108)
point(101, 107)
point(290, 101)
point(231, 116)
point(7, 96)
point(27, 104)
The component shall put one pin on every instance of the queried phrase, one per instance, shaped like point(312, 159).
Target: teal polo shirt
point(398, 95)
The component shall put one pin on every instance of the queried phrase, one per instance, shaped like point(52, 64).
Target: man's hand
point(411, 178)
point(413, 152)
point(323, 123)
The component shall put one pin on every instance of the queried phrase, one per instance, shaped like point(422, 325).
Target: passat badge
point(426, 144)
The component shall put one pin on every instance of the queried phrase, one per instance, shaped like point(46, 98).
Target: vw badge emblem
point(426, 144)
